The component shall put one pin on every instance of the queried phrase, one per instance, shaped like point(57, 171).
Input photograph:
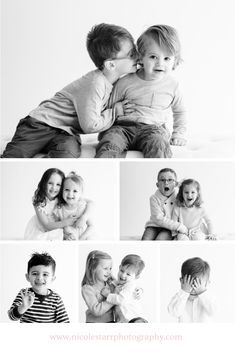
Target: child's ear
point(176, 183)
point(27, 277)
point(53, 278)
point(157, 184)
point(109, 65)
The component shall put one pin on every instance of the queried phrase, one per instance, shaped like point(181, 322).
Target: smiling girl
point(189, 211)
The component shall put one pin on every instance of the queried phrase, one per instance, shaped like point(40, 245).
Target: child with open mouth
point(189, 211)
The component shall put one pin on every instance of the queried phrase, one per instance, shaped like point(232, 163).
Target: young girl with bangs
point(189, 211)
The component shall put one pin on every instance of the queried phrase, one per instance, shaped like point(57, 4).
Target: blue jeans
point(151, 140)
point(32, 137)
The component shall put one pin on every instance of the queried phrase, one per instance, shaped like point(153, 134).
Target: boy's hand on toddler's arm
point(124, 108)
point(187, 283)
point(178, 141)
point(127, 107)
point(27, 301)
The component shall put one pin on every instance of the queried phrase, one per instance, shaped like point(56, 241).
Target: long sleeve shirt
point(98, 309)
point(194, 218)
point(45, 309)
point(187, 308)
point(129, 307)
point(155, 101)
point(79, 107)
point(161, 208)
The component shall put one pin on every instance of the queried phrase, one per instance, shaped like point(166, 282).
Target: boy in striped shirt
point(39, 303)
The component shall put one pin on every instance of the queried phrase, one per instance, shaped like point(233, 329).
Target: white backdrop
point(13, 267)
point(222, 264)
point(138, 183)
point(43, 49)
point(149, 278)
point(20, 179)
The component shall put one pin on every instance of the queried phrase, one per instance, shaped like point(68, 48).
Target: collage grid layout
point(120, 191)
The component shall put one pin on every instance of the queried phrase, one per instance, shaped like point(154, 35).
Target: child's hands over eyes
point(178, 141)
point(187, 283)
point(105, 291)
point(27, 300)
point(198, 286)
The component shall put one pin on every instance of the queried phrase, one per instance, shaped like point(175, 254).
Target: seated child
point(54, 127)
point(127, 307)
point(39, 303)
point(188, 210)
point(74, 206)
point(160, 225)
point(146, 99)
point(193, 303)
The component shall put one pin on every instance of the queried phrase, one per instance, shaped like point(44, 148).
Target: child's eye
point(167, 58)
point(153, 57)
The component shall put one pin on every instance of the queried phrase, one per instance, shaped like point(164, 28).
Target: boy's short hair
point(166, 37)
point(166, 170)
point(103, 42)
point(134, 261)
point(195, 267)
point(41, 259)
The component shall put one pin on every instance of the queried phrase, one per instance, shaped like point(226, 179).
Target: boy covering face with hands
point(192, 303)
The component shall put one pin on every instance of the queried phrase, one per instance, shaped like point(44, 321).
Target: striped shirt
point(45, 309)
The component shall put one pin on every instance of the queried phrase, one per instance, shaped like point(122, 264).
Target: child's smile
point(157, 63)
point(190, 195)
point(71, 192)
point(53, 186)
point(40, 277)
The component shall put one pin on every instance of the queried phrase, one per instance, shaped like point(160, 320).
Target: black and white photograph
point(118, 283)
point(194, 283)
point(59, 200)
point(174, 101)
point(149, 192)
point(38, 283)
point(117, 132)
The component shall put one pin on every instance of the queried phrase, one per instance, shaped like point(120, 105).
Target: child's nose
point(159, 61)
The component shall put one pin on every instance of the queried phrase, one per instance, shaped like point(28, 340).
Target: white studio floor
point(203, 146)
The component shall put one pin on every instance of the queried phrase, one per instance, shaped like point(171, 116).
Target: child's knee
point(69, 147)
point(164, 235)
point(157, 147)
